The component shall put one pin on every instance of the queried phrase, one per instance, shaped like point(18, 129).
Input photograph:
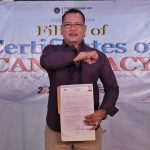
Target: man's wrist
point(104, 112)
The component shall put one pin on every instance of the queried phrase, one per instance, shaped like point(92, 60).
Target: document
point(74, 103)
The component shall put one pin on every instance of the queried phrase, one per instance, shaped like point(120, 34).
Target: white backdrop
point(120, 29)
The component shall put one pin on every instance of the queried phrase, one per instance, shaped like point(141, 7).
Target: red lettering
point(33, 63)
point(18, 64)
point(145, 63)
point(113, 64)
point(124, 65)
point(6, 60)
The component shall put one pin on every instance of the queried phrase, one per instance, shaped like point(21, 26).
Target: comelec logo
point(56, 10)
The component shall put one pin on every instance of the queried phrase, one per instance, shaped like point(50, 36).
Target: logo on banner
point(56, 10)
point(62, 10)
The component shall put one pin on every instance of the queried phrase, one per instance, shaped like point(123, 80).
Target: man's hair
point(73, 10)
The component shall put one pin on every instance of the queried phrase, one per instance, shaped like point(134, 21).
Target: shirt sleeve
point(54, 57)
point(111, 87)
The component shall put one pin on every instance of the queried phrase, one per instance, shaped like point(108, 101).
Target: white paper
point(76, 102)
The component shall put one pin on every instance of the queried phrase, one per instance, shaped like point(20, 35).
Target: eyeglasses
point(75, 25)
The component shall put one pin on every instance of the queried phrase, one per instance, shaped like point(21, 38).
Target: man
point(74, 62)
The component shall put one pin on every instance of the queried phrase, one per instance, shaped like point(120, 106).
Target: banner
point(120, 29)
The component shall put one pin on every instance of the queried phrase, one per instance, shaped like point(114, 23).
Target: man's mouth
point(73, 35)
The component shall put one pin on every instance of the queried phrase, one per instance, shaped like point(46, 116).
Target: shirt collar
point(83, 46)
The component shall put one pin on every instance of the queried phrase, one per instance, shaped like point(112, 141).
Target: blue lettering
point(10, 49)
point(1, 46)
point(34, 47)
point(121, 46)
point(22, 48)
point(96, 44)
point(43, 45)
point(56, 41)
point(141, 47)
point(107, 48)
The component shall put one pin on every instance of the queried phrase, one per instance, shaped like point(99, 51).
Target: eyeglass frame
point(76, 25)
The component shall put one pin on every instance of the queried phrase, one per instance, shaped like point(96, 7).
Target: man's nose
point(73, 26)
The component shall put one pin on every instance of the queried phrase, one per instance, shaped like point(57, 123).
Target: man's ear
point(61, 29)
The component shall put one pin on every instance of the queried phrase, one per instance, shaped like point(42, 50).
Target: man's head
point(73, 27)
point(73, 10)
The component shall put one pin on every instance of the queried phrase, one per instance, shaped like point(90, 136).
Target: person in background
point(74, 62)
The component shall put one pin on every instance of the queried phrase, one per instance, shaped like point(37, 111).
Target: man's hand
point(89, 57)
point(95, 119)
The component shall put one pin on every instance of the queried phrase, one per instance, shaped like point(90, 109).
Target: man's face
point(73, 28)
